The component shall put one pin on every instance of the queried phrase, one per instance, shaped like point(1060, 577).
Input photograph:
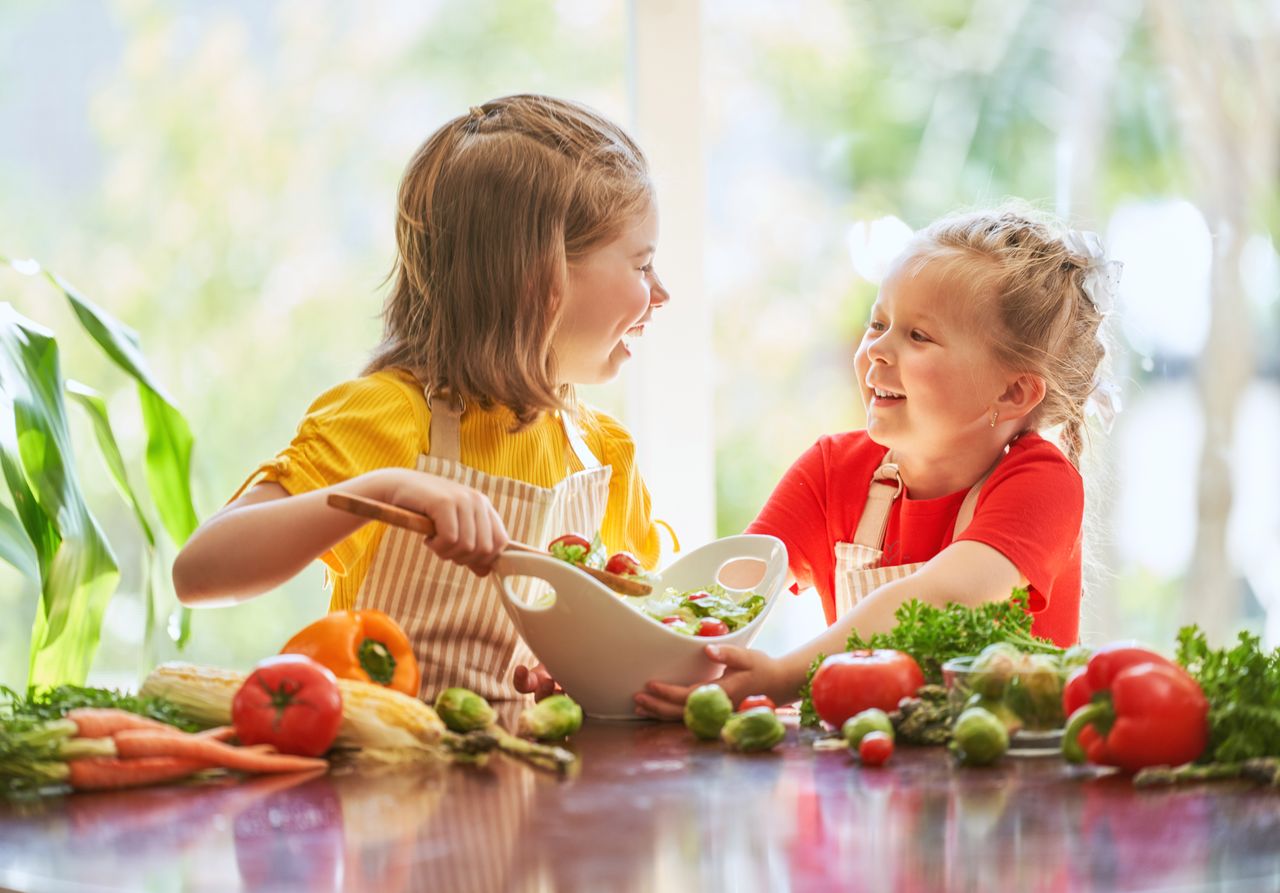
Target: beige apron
point(460, 631)
point(858, 571)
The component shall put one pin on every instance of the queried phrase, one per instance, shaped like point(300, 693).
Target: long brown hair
point(492, 208)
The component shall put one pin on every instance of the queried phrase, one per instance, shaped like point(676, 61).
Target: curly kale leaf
point(1242, 685)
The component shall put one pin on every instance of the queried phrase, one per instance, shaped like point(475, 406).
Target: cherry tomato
point(697, 596)
point(290, 702)
point(623, 563)
point(710, 626)
point(570, 547)
point(757, 701)
point(851, 682)
point(875, 748)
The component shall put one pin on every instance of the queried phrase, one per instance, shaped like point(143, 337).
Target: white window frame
point(670, 387)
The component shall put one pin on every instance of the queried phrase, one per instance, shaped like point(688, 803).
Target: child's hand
point(469, 530)
point(747, 672)
point(536, 681)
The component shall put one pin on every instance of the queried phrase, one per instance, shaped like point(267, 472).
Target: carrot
point(103, 722)
point(131, 743)
point(218, 733)
point(111, 773)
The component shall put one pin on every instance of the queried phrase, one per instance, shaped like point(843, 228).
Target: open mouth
point(630, 337)
point(881, 396)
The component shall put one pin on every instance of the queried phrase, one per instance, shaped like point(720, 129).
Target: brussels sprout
point(706, 710)
point(872, 719)
point(551, 719)
point(463, 710)
point(979, 738)
point(1036, 692)
point(756, 729)
point(999, 709)
point(993, 668)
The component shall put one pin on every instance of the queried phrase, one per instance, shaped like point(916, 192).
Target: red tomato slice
point(571, 539)
point(875, 748)
point(623, 563)
point(697, 596)
point(710, 626)
point(673, 619)
point(751, 701)
point(290, 702)
point(570, 547)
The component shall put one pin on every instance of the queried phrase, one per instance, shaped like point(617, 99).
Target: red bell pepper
point(1131, 708)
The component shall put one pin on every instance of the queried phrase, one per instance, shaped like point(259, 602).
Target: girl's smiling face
point(610, 295)
point(926, 368)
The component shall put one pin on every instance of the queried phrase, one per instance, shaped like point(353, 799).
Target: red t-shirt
point(1029, 510)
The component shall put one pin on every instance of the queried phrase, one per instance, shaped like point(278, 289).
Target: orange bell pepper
point(367, 646)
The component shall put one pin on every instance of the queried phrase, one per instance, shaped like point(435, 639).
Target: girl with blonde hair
point(985, 333)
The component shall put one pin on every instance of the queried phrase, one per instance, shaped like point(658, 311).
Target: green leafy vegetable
point(42, 705)
point(808, 715)
point(933, 635)
point(1242, 684)
point(683, 611)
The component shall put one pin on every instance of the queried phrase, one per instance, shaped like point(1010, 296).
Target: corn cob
point(373, 717)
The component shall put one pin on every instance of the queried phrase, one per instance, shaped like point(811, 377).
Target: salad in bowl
point(602, 647)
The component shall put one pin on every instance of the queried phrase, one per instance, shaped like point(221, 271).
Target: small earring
point(994, 415)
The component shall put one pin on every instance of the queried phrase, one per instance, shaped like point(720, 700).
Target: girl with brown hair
point(526, 232)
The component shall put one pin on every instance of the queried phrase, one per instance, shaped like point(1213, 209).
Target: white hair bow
point(1103, 403)
point(1102, 274)
point(1101, 283)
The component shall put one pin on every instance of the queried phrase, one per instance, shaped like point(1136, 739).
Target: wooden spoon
point(420, 523)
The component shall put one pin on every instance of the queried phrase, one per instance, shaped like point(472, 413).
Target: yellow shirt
point(382, 420)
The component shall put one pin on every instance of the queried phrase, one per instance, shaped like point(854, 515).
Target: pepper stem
point(376, 660)
point(1099, 714)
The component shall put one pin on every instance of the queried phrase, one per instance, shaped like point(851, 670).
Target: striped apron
point(460, 631)
point(858, 570)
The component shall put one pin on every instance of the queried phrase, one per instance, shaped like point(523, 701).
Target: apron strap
point(965, 515)
point(443, 439)
point(875, 514)
point(576, 442)
point(880, 497)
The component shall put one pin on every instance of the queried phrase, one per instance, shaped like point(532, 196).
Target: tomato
point(623, 563)
point(875, 748)
point(290, 702)
point(849, 683)
point(673, 619)
point(697, 596)
point(710, 626)
point(570, 547)
point(757, 701)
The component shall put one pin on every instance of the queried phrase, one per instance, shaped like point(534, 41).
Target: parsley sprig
point(1242, 684)
point(42, 705)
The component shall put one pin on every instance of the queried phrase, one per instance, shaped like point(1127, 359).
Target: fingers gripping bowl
point(602, 650)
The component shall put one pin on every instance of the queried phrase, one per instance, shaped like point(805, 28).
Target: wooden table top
point(652, 809)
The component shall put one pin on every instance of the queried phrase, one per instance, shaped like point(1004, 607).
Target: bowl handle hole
point(741, 573)
point(534, 593)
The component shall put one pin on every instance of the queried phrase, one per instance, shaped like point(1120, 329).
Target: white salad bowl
point(601, 650)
